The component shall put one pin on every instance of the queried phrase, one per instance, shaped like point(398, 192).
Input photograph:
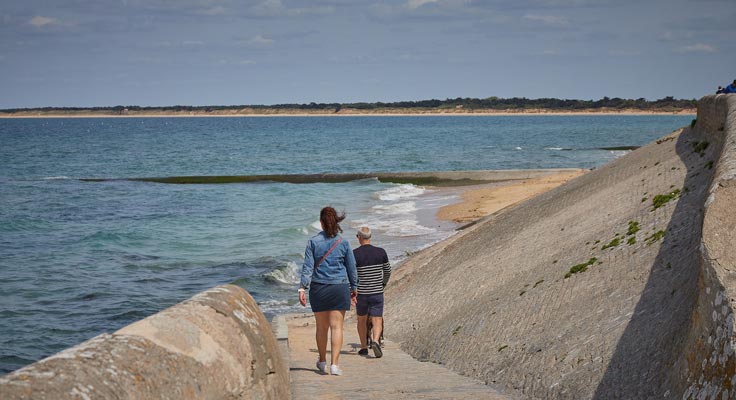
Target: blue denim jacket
point(338, 267)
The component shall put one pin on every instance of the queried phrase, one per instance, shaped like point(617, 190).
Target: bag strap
point(339, 239)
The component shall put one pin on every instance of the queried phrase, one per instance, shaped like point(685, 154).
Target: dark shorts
point(370, 304)
point(326, 297)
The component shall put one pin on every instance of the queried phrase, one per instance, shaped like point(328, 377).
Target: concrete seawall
point(711, 364)
point(618, 284)
point(216, 345)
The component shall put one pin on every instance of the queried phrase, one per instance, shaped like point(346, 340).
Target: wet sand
point(481, 200)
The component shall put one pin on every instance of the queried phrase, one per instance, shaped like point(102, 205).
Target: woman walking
point(330, 275)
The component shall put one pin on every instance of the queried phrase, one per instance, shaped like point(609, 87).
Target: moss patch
point(654, 237)
point(633, 228)
point(580, 267)
point(632, 240)
point(699, 147)
point(662, 199)
point(613, 243)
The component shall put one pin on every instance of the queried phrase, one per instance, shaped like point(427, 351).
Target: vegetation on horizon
point(668, 103)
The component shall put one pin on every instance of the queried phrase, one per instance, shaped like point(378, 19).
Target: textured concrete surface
point(394, 376)
point(493, 302)
point(216, 345)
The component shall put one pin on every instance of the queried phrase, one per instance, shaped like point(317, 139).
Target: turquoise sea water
point(81, 258)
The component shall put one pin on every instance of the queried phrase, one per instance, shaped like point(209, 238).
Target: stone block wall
point(216, 345)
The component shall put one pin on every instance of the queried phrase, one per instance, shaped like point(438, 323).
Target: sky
point(84, 53)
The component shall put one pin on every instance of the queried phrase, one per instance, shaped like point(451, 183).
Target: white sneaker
point(322, 366)
point(335, 370)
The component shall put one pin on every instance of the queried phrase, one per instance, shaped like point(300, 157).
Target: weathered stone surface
point(648, 319)
point(217, 345)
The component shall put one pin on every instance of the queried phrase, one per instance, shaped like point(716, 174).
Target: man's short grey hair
point(364, 232)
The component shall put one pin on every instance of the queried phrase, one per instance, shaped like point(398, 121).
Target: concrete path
point(394, 376)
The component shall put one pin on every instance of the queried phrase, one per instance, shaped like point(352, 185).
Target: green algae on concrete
point(662, 199)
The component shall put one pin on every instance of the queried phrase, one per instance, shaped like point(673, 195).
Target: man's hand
point(302, 298)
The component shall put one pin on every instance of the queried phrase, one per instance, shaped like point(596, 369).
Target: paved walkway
point(395, 376)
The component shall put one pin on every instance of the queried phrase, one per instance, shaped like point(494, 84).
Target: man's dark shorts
point(370, 304)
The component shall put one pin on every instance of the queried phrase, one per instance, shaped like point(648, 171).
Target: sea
point(80, 258)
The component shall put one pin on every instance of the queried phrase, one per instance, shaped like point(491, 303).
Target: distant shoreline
point(342, 113)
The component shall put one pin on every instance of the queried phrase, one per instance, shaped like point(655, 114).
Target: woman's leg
point(323, 325)
point(336, 318)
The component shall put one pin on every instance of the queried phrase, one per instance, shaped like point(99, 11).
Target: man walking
point(374, 272)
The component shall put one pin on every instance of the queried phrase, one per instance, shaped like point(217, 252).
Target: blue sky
point(224, 52)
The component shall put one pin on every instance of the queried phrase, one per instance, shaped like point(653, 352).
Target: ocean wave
point(55, 178)
point(619, 153)
point(518, 148)
point(286, 274)
point(281, 306)
point(396, 208)
point(399, 192)
point(558, 148)
point(396, 227)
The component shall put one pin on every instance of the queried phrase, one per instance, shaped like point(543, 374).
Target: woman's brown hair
point(331, 221)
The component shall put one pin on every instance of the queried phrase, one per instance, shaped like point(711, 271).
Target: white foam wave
point(398, 227)
point(55, 178)
point(280, 306)
point(288, 274)
point(517, 148)
point(619, 153)
point(396, 208)
point(399, 192)
point(554, 148)
point(316, 225)
point(304, 231)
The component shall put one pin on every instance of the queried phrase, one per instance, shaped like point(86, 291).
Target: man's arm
point(386, 269)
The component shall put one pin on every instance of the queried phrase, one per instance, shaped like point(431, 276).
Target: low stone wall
point(216, 345)
point(711, 362)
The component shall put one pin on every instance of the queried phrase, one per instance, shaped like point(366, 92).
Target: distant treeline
point(491, 103)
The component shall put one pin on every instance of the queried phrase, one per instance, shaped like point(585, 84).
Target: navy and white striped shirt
point(373, 267)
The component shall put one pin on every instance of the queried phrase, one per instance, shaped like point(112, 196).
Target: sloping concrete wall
point(650, 315)
point(711, 363)
point(216, 345)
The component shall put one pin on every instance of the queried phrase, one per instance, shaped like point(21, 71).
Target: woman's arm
point(307, 266)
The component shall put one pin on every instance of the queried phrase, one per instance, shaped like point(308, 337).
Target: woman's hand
point(353, 297)
point(302, 298)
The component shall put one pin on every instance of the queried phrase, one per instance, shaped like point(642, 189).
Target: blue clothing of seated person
point(730, 88)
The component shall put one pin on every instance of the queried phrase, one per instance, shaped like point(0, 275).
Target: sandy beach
point(481, 200)
point(341, 113)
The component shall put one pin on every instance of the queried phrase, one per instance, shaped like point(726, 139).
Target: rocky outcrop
point(216, 345)
point(615, 285)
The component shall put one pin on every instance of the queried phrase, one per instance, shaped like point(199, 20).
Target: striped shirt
point(374, 270)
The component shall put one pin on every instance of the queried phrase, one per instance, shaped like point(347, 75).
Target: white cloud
point(696, 48)
point(258, 41)
point(547, 19)
point(275, 8)
point(40, 21)
point(414, 4)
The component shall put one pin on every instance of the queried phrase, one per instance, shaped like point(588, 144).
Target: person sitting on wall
point(719, 90)
point(730, 88)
